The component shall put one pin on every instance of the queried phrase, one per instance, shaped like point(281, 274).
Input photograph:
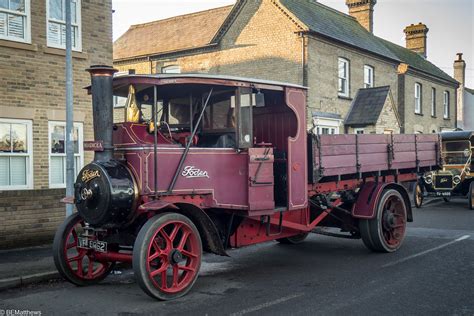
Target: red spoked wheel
point(76, 265)
point(167, 256)
point(386, 232)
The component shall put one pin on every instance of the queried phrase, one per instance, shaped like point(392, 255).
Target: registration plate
point(100, 246)
point(443, 193)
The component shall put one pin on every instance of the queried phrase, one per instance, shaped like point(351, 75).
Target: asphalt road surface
point(432, 274)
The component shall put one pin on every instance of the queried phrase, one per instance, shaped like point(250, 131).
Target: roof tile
point(173, 34)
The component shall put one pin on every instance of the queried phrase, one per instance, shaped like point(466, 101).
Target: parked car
point(455, 177)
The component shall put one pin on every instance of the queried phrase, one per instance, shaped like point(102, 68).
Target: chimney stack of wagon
point(102, 107)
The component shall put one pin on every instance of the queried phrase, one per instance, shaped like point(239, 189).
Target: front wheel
point(470, 195)
point(418, 195)
point(77, 265)
point(386, 231)
point(167, 256)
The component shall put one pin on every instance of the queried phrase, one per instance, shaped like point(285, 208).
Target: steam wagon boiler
point(206, 163)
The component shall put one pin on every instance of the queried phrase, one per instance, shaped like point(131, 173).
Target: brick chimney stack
point(363, 12)
point(416, 38)
point(460, 70)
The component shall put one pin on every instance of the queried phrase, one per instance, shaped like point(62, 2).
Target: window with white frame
point(433, 102)
point(15, 20)
point(16, 148)
point(343, 83)
point(57, 152)
point(174, 69)
point(368, 76)
point(359, 131)
point(446, 105)
point(56, 26)
point(119, 102)
point(417, 98)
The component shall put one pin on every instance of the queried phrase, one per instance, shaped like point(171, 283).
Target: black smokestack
point(102, 109)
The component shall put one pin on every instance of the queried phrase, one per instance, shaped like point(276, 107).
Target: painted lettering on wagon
point(193, 172)
point(88, 175)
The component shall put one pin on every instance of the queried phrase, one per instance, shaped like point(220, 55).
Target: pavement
point(20, 267)
point(431, 274)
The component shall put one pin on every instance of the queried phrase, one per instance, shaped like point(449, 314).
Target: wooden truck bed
point(354, 155)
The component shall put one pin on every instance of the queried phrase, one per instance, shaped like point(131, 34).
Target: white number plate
point(100, 246)
point(443, 193)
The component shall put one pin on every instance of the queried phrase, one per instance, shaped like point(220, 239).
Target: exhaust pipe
point(102, 109)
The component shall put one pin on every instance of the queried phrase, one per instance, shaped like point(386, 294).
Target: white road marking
point(266, 305)
point(426, 251)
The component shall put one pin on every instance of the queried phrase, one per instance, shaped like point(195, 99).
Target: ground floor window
point(57, 152)
point(359, 131)
point(16, 149)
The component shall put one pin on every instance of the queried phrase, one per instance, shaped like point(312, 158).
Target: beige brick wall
point(29, 217)
point(32, 85)
point(323, 76)
point(425, 123)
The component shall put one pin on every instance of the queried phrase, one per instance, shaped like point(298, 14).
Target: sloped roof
point(367, 106)
point(200, 29)
point(173, 34)
point(416, 61)
point(336, 25)
point(331, 23)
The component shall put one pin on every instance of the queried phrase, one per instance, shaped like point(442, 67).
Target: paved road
point(433, 274)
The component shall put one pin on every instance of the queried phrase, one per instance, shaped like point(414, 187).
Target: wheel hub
point(175, 256)
point(389, 221)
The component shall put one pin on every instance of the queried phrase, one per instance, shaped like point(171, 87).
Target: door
point(260, 185)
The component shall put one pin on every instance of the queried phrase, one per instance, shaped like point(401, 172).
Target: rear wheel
point(471, 195)
point(386, 231)
point(167, 256)
point(293, 240)
point(76, 265)
point(418, 195)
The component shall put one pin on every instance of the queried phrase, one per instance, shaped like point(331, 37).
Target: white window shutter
point(4, 171)
point(18, 170)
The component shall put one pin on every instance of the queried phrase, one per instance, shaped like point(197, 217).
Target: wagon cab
point(455, 178)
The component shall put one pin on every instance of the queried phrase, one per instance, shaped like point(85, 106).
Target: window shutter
point(4, 171)
point(18, 170)
point(3, 24)
point(54, 36)
point(57, 170)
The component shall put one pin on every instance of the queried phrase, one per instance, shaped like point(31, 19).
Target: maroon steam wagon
point(209, 163)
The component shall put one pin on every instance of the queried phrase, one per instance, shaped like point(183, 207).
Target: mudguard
point(369, 196)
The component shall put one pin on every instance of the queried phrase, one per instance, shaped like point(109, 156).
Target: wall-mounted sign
point(96, 145)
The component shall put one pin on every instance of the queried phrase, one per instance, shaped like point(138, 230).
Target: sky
point(450, 22)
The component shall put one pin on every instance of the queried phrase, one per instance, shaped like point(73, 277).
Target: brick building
point(32, 108)
point(306, 43)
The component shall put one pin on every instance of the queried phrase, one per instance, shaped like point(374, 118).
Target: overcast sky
point(450, 22)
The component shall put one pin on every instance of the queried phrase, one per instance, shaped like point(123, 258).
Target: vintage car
point(455, 178)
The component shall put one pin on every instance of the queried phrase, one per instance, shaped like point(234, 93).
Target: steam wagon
point(209, 163)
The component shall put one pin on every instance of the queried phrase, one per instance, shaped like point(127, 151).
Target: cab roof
point(162, 79)
point(457, 135)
